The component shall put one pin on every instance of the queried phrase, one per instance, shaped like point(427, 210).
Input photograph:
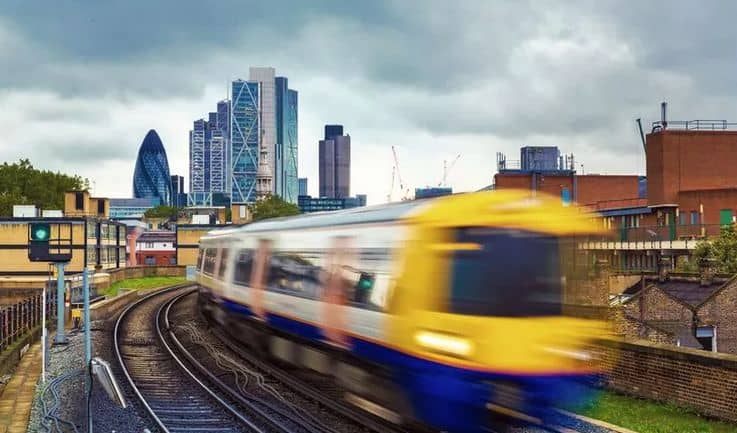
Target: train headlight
point(444, 343)
point(579, 355)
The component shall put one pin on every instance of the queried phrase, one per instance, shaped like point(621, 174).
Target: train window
point(223, 262)
point(510, 273)
point(296, 272)
point(243, 265)
point(369, 282)
point(209, 263)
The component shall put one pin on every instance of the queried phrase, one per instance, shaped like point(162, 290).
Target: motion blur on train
point(443, 313)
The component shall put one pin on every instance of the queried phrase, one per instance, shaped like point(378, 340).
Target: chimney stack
point(663, 269)
point(707, 270)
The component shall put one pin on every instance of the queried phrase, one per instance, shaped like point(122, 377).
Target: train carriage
point(437, 311)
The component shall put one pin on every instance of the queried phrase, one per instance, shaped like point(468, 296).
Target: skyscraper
point(302, 186)
point(335, 163)
point(208, 158)
point(151, 178)
point(285, 175)
point(245, 124)
point(178, 197)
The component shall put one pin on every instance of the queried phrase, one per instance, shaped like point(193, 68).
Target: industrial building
point(686, 195)
point(97, 242)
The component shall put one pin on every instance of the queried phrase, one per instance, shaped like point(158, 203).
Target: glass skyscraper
point(208, 158)
point(245, 124)
point(285, 173)
point(151, 178)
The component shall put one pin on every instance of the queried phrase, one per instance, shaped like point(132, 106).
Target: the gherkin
point(151, 177)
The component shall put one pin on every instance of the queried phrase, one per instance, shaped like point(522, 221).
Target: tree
point(21, 183)
point(271, 207)
point(163, 211)
point(722, 249)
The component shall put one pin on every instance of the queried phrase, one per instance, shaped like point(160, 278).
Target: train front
point(479, 307)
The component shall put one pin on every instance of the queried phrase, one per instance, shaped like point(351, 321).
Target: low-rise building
point(156, 248)
point(96, 242)
point(309, 204)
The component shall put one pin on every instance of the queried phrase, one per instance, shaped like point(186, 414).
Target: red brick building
point(156, 248)
point(689, 192)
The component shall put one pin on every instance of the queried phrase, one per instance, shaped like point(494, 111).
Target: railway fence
point(21, 317)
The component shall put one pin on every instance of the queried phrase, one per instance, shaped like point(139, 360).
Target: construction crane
point(447, 168)
point(405, 193)
point(391, 188)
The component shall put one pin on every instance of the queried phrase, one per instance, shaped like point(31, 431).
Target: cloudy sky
point(83, 81)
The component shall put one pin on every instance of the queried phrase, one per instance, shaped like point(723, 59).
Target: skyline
point(575, 76)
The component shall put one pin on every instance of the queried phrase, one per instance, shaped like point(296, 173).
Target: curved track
point(172, 395)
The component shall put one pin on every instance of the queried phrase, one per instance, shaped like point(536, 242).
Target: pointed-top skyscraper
point(151, 178)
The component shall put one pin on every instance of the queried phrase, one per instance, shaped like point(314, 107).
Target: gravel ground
point(107, 417)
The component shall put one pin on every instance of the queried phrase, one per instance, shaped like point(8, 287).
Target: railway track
point(181, 394)
point(176, 402)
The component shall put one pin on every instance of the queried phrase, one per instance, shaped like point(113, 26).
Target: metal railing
point(677, 232)
point(694, 125)
point(21, 317)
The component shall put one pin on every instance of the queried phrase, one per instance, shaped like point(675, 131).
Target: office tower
point(208, 159)
point(178, 197)
point(302, 186)
point(151, 178)
point(245, 124)
point(285, 174)
point(335, 163)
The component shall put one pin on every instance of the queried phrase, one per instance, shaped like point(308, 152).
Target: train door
point(335, 291)
point(259, 275)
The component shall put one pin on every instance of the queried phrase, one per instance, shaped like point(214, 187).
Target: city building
point(244, 140)
point(309, 204)
point(151, 178)
point(431, 192)
point(209, 151)
point(179, 197)
point(302, 186)
point(156, 248)
point(96, 242)
point(335, 163)
point(285, 174)
point(131, 208)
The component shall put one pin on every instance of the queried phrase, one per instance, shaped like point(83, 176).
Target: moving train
point(443, 312)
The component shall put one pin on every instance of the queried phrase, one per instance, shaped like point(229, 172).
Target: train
point(444, 313)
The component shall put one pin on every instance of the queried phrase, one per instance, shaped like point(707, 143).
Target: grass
point(142, 283)
point(645, 416)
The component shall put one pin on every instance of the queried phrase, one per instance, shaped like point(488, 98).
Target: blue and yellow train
point(442, 312)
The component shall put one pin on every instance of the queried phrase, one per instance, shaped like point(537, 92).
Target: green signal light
point(365, 283)
point(40, 232)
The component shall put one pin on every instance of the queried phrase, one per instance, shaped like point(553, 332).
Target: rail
point(21, 317)
point(695, 125)
point(673, 232)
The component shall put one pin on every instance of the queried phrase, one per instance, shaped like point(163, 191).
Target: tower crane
point(405, 193)
point(391, 188)
point(447, 168)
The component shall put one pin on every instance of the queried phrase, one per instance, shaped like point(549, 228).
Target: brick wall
point(704, 381)
point(652, 304)
point(720, 310)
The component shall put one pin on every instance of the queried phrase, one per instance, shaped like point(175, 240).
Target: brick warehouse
point(687, 194)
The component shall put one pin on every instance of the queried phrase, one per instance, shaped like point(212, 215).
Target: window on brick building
point(683, 218)
point(694, 217)
point(707, 336)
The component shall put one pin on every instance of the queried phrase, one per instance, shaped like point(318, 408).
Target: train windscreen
point(505, 273)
